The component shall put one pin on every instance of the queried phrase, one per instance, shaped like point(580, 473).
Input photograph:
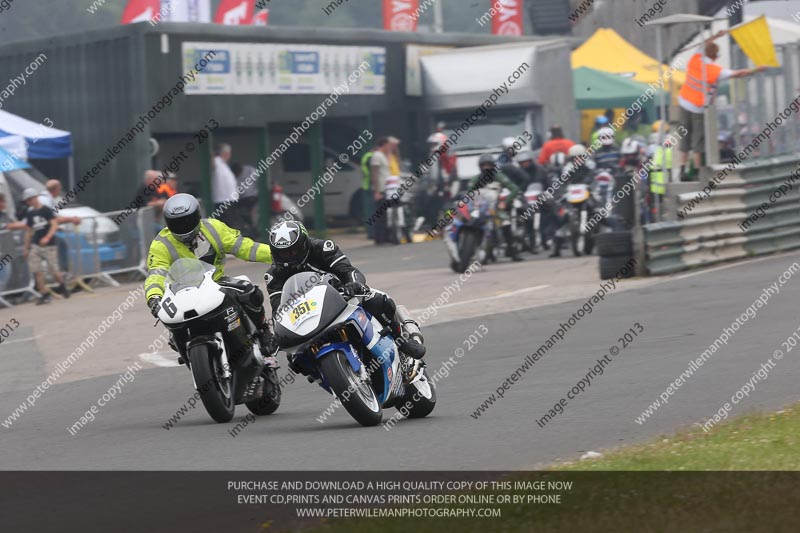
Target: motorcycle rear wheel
point(271, 400)
point(356, 396)
point(425, 400)
point(216, 393)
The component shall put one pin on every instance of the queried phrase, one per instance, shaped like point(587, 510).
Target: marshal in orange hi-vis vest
point(692, 90)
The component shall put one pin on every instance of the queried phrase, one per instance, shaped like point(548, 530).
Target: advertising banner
point(271, 68)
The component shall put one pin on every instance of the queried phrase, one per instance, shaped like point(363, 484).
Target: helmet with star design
point(289, 243)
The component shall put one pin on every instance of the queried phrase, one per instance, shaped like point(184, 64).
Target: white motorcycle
point(217, 341)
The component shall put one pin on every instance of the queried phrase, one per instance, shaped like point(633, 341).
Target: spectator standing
point(167, 188)
point(51, 196)
point(379, 172)
point(367, 201)
point(40, 245)
point(248, 199)
point(556, 144)
point(6, 222)
point(223, 187)
point(394, 156)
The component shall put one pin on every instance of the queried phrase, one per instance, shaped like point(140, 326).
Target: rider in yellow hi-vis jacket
point(187, 235)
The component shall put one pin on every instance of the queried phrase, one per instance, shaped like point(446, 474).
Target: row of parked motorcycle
point(537, 219)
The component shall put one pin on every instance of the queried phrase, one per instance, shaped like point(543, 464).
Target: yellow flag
point(756, 42)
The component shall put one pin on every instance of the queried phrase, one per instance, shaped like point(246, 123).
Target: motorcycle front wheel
point(356, 395)
point(467, 245)
point(216, 392)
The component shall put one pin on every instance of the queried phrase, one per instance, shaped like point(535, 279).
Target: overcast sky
point(781, 9)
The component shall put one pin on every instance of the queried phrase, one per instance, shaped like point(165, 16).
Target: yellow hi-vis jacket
point(657, 177)
point(166, 249)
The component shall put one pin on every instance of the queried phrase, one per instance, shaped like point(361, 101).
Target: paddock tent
point(595, 89)
point(606, 50)
point(9, 161)
point(43, 142)
point(15, 144)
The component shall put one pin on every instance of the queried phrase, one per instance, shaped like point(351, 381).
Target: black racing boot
point(266, 342)
point(410, 344)
point(410, 347)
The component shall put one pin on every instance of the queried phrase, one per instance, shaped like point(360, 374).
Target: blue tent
point(9, 161)
point(43, 142)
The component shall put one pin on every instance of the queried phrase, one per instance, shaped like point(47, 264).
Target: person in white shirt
point(223, 188)
point(51, 197)
point(379, 173)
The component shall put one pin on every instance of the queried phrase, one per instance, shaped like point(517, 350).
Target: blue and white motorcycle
point(340, 346)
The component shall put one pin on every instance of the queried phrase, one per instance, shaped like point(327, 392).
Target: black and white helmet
point(524, 156)
point(289, 243)
point(558, 159)
point(182, 213)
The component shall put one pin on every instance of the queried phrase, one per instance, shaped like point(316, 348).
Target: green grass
point(702, 489)
point(754, 442)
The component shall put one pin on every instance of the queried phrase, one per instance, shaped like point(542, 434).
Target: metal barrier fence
point(758, 99)
point(14, 276)
point(101, 246)
point(717, 229)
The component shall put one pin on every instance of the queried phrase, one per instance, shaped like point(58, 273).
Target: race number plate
point(303, 311)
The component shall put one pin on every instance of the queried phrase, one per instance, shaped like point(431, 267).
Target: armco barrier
point(710, 232)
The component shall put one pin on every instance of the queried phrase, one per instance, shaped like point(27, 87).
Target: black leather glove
point(154, 304)
point(354, 288)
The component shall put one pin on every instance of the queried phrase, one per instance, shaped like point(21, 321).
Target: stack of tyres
point(615, 250)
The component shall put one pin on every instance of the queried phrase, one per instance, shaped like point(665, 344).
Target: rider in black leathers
point(293, 251)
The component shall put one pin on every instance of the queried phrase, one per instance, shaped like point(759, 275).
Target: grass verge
point(729, 479)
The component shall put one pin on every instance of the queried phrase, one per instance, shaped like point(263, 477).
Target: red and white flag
point(261, 18)
point(140, 11)
point(400, 15)
point(507, 19)
point(235, 12)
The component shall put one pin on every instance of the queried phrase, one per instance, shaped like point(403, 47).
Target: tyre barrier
point(616, 251)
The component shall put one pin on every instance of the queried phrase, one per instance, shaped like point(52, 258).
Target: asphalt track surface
point(681, 316)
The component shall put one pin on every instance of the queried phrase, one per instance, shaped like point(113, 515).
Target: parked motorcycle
point(575, 211)
point(519, 231)
point(340, 346)
point(533, 194)
point(469, 236)
point(217, 341)
point(399, 213)
point(602, 187)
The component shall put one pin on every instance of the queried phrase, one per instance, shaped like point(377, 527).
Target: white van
point(293, 173)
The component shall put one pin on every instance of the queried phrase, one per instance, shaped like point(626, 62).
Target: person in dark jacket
point(293, 252)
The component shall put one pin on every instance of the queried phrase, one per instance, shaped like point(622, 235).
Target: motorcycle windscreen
point(298, 286)
point(308, 306)
point(186, 273)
